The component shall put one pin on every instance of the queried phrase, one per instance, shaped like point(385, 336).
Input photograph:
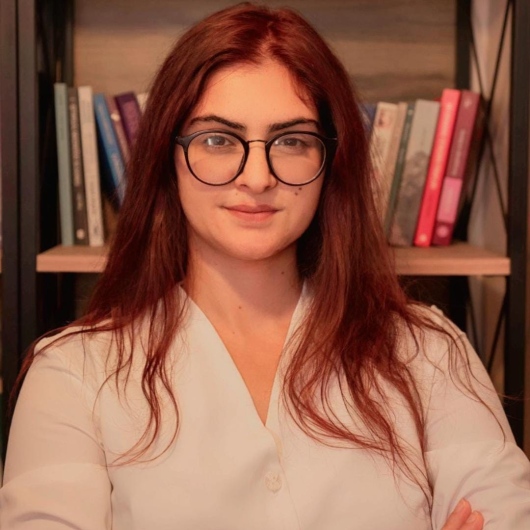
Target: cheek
point(190, 198)
point(181, 168)
point(308, 199)
point(312, 194)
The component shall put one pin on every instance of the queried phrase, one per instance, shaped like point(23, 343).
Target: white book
point(383, 126)
point(142, 100)
point(89, 147)
point(392, 154)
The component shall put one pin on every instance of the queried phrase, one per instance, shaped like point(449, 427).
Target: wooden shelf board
point(73, 259)
point(459, 259)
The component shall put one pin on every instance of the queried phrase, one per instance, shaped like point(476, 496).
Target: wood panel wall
point(394, 49)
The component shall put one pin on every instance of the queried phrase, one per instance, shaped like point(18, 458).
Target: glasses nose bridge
point(264, 142)
point(247, 144)
point(257, 140)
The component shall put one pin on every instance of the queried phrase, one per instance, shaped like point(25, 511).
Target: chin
point(253, 252)
point(255, 255)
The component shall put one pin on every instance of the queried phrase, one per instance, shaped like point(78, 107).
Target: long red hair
point(358, 306)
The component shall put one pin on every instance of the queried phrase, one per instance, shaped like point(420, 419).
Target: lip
point(247, 208)
point(255, 213)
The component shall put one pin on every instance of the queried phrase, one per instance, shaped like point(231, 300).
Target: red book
point(439, 156)
point(130, 114)
point(457, 168)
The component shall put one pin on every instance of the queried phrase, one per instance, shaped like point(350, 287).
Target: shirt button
point(273, 481)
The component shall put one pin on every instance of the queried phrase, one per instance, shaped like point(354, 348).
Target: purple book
point(130, 113)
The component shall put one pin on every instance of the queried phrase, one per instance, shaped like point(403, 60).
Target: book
point(142, 100)
point(440, 153)
point(367, 111)
point(392, 154)
point(414, 173)
point(382, 129)
point(64, 163)
point(398, 168)
point(111, 163)
point(458, 166)
point(118, 128)
point(130, 113)
point(78, 178)
point(91, 167)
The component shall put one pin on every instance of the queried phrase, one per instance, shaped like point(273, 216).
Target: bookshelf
point(37, 270)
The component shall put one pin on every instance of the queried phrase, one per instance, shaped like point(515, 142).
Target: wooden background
point(394, 49)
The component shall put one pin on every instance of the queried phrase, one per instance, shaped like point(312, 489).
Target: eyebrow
point(273, 127)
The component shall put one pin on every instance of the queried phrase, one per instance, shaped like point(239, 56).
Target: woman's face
point(254, 217)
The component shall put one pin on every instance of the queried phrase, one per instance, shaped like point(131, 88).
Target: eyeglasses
point(217, 157)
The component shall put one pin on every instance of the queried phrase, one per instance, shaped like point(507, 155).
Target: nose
point(256, 175)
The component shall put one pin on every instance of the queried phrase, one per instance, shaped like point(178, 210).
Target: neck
point(240, 292)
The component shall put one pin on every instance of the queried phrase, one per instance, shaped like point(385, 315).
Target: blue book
point(112, 167)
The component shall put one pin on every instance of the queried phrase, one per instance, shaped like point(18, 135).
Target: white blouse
point(228, 471)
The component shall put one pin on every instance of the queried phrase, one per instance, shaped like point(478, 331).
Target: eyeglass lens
point(216, 157)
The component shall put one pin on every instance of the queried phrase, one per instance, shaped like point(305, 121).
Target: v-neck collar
point(207, 331)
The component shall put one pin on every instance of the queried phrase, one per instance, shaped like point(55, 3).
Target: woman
point(248, 360)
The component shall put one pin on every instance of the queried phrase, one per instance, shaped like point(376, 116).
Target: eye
point(217, 140)
point(216, 143)
point(291, 141)
point(296, 144)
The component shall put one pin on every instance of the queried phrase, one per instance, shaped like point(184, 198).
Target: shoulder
point(77, 352)
point(441, 358)
point(453, 381)
point(431, 339)
point(99, 352)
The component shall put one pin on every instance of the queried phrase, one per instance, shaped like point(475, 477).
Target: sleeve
point(471, 451)
point(55, 473)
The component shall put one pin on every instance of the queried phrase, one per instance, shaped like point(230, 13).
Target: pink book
point(457, 168)
point(440, 154)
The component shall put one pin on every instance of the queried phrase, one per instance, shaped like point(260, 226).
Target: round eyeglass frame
point(330, 145)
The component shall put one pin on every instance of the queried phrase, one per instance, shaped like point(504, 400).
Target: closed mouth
point(245, 208)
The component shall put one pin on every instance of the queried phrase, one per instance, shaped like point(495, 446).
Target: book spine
point(130, 113)
point(142, 100)
point(384, 123)
point(78, 179)
point(440, 154)
point(367, 111)
point(118, 128)
point(112, 163)
point(414, 172)
point(91, 167)
point(393, 148)
point(398, 169)
point(453, 180)
point(62, 129)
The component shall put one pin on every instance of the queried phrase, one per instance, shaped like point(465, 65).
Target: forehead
point(249, 92)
